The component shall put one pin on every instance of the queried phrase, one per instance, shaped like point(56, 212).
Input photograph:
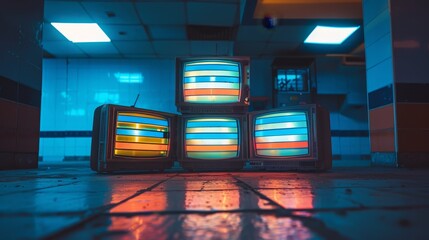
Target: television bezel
point(316, 159)
point(231, 164)
point(116, 163)
point(241, 106)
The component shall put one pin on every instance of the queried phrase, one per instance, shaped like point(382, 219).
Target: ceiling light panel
point(81, 32)
point(330, 35)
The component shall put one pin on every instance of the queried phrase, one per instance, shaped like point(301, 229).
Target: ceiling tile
point(167, 32)
point(317, 9)
point(140, 56)
point(65, 11)
point(253, 33)
point(63, 49)
point(104, 49)
point(281, 48)
point(291, 33)
point(134, 47)
point(214, 14)
point(123, 11)
point(171, 48)
point(161, 12)
point(52, 34)
point(211, 48)
point(125, 32)
point(249, 48)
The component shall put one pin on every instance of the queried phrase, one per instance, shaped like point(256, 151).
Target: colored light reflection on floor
point(219, 200)
point(214, 200)
point(155, 201)
point(297, 197)
point(50, 204)
point(140, 227)
point(213, 226)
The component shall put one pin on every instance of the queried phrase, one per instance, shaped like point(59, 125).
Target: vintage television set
point(290, 138)
point(212, 142)
point(132, 139)
point(212, 85)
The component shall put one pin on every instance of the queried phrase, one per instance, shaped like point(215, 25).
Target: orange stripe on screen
point(196, 92)
point(191, 148)
point(281, 145)
point(140, 146)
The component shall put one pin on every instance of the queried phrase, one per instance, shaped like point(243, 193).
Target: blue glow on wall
point(105, 97)
point(73, 88)
point(129, 77)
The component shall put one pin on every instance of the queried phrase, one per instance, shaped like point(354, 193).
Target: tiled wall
point(380, 80)
point(411, 61)
point(20, 83)
point(378, 44)
point(342, 90)
point(72, 89)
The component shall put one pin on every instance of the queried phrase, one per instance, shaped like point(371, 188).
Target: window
point(292, 80)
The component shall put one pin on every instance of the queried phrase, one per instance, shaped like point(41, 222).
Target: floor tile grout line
point(247, 186)
point(37, 189)
point(100, 211)
point(310, 222)
point(285, 212)
point(56, 214)
point(203, 212)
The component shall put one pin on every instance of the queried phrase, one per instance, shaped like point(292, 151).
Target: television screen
point(208, 82)
point(212, 84)
point(212, 142)
point(132, 139)
point(290, 138)
point(282, 134)
point(141, 135)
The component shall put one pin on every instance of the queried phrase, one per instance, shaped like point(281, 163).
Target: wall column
point(20, 82)
point(397, 62)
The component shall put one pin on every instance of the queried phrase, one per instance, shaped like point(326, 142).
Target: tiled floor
point(71, 202)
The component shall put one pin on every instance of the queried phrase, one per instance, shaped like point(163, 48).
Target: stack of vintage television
point(215, 131)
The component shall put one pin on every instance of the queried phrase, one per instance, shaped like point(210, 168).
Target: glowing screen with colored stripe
point(212, 138)
point(213, 81)
point(283, 134)
point(141, 135)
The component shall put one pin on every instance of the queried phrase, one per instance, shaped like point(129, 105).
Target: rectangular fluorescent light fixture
point(81, 32)
point(330, 35)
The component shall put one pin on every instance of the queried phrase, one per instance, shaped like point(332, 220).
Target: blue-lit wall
point(72, 89)
point(342, 90)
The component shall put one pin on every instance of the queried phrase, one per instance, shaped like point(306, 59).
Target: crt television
point(290, 138)
point(212, 85)
point(212, 142)
point(132, 139)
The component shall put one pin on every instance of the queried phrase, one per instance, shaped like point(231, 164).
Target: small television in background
point(212, 85)
point(132, 139)
point(290, 138)
point(212, 142)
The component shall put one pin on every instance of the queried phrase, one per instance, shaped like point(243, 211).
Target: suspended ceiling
point(157, 28)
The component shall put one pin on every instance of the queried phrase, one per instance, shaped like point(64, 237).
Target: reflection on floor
point(71, 202)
